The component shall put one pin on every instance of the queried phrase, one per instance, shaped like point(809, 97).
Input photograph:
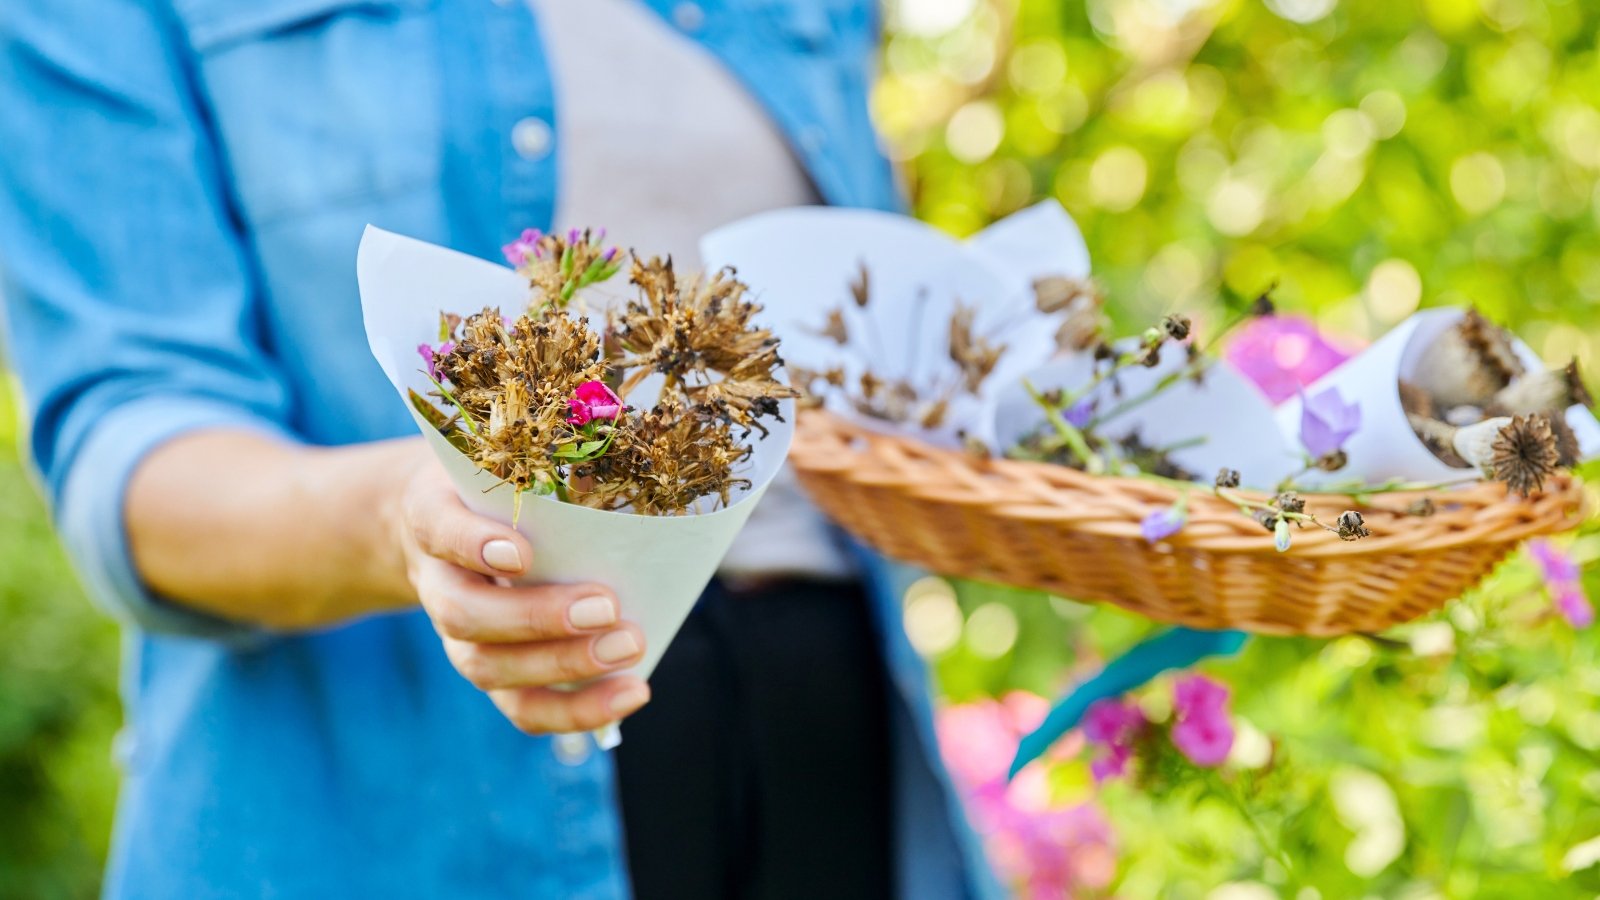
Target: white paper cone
point(1226, 410)
point(657, 565)
point(1386, 447)
point(800, 262)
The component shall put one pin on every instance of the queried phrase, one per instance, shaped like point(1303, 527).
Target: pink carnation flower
point(593, 401)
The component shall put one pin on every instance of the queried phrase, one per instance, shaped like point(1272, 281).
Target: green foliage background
point(1369, 156)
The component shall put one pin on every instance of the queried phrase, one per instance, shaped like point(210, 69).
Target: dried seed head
point(1422, 507)
point(1332, 462)
point(1266, 518)
point(1524, 454)
point(1469, 364)
point(836, 330)
point(1263, 305)
point(1550, 391)
point(1289, 502)
point(861, 285)
point(1474, 444)
point(1416, 401)
point(1351, 526)
point(1176, 326)
point(1228, 478)
point(975, 356)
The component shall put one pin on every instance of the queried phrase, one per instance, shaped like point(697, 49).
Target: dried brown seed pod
point(1525, 454)
point(1468, 364)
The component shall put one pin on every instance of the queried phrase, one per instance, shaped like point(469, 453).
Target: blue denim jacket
point(182, 188)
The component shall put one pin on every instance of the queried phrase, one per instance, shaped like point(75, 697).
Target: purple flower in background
point(1283, 355)
point(1164, 523)
point(1575, 606)
point(518, 251)
point(1555, 566)
point(573, 235)
point(1112, 724)
point(1563, 578)
point(1079, 414)
point(1326, 422)
point(1202, 730)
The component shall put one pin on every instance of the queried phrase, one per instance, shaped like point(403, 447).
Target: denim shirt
point(182, 188)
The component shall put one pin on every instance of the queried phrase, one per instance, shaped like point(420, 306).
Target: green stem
point(1155, 390)
point(1269, 844)
point(466, 417)
point(1070, 435)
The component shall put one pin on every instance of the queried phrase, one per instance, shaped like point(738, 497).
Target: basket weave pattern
point(1052, 528)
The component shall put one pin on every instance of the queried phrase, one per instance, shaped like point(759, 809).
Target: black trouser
point(760, 768)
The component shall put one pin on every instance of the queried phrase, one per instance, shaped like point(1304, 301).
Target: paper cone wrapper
point(800, 262)
point(657, 565)
point(1228, 414)
point(1385, 447)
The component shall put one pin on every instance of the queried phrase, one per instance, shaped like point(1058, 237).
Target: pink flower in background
point(1283, 354)
point(1564, 580)
point(1201, 728)
point(594, 401)
point(1112, 725)
point(518, 251)
point(1042, 849)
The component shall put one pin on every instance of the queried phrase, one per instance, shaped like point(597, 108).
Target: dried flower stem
point(1192, 370)
point(1070, 436)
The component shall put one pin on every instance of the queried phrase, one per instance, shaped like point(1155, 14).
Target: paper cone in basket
point(800, 262)
point(1385, 447)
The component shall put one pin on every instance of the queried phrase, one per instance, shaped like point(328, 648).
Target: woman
point(185, 182)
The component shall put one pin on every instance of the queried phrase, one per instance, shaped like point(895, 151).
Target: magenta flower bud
point(593, 401)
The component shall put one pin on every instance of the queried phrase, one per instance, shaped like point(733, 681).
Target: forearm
point(254, 530)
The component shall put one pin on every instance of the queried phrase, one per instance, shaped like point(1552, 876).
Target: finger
point(493, 667)
point(444, 528)
point(467, 607)
point(551, 711)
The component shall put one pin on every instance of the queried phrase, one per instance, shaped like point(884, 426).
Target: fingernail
point(616, 647)
point(502, 555)
point(592, 612)
point(626, 701)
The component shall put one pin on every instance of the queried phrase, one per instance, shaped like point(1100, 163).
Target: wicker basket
point(1055, 529)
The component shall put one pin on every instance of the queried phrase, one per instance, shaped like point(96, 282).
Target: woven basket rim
point(1477, 513)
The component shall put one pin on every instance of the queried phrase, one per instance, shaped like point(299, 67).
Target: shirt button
point(571, 749)
point(531, 138)
point(688, 16)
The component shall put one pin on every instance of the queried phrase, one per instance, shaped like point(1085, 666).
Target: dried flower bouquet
point(548, 405)
point(646, 441)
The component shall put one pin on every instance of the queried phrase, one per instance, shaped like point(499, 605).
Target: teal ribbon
point(1175, 649)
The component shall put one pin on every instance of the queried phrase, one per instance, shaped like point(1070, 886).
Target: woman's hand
point(515, 643)
point(296, 538)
